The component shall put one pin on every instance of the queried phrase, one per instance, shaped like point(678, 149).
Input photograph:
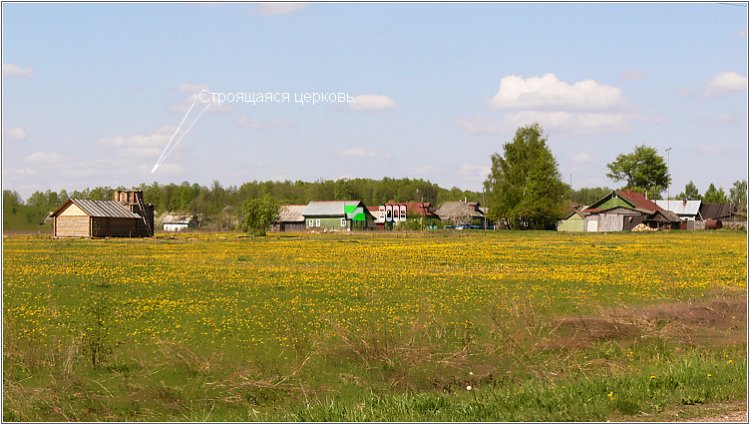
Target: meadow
point(443, 326)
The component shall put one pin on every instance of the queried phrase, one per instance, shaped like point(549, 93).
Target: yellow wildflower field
point(224, 288)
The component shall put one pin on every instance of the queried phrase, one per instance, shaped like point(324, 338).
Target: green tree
point(643, 170)
point(715, 195)
point(738, 193)
point(690, 193)
point(524, 186)
point(259, 213)
point(11, 202)
point(589, 195)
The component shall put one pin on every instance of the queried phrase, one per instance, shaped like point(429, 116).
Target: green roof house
point(623, 210)
point(332, 216)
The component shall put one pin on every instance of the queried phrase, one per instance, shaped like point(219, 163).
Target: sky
point(93, 94)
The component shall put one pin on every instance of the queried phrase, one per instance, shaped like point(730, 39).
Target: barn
point(125, 216)
point(290, 219)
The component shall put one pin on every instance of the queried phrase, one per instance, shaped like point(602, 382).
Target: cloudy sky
point(94, 93)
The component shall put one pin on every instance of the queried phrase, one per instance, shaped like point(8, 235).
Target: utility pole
point(485, 207)
point(669, 179)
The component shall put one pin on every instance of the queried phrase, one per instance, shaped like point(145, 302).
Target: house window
point(310, 222)
point(317, 222)
point(343, 222)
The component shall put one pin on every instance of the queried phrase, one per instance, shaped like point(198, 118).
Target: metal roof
point(680, 207)
point(110, 209)
point(328, 208)
point(178, 218)
point(713, 210)
point(292, 213)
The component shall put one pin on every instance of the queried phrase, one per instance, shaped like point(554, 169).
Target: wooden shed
point(290, 219)
point(574, 222)
point(126, 216)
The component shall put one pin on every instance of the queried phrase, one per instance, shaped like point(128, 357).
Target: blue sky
point(92, 93)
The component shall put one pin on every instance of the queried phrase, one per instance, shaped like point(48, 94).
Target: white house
point(179, 222)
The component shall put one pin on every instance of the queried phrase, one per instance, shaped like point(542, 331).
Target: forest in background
point(220, 205)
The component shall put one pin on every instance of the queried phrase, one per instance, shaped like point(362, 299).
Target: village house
point(461, 213)
point(421, 210)
point(125, 216)
point(337, 216)
point(620, 210)
point(179, 222)
point(291, 219)
point(686, 210)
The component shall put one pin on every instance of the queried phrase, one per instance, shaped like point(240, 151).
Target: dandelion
point(652, 377)
point(730, 361)
point(611, 395)
point(468, 388)
point(709, 376)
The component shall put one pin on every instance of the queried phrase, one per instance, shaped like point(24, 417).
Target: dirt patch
point(714, 322)
point(710, 413)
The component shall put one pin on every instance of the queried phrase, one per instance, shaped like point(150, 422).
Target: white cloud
point(549, 93)
point(15, 133)
point(358, 153)
point(141, 145)
point(633, 75)
point(44, 158)
point(372, 102)
point(474, 173)
point(277, 9)
point(725, 82)
point(582, 108)
point(582, 157)
point(13, 70)
point(422, 170)
point(23, 172)
point(482, 125)
point(722, 119)
point(561, 122)
point(199, 101)
point(271, 124)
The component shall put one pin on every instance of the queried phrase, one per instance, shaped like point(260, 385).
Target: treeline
point(221, 205)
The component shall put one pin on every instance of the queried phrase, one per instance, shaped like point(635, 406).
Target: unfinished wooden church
point(125, 216)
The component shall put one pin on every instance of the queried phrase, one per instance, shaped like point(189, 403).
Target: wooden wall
point(117, 227)
point(72, 226)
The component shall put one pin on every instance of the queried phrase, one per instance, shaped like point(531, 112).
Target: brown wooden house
point(125, 216)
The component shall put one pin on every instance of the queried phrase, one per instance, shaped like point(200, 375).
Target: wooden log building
point(125, 216)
